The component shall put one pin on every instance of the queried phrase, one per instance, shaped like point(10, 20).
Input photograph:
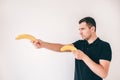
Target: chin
point(83, 38)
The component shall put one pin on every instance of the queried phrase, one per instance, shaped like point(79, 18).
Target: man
point(92, 59)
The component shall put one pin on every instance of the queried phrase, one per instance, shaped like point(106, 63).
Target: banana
point(68, 47)
point(26, 36)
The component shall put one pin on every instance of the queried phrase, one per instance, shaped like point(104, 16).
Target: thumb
point(74, 51)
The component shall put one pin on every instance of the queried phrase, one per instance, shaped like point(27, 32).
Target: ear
point(93, 28)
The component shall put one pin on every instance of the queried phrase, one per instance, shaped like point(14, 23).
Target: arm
point(100, 69)
point(47, 45)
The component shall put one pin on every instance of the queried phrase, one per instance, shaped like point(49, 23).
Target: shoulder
point(79, 43)
point(106, 52)
point(104, 43)
point(106, 47)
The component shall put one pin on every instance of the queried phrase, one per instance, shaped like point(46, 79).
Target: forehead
point(83, 25)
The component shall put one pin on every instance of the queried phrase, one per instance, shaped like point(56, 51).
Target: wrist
point(43, 44)
point(85, 58)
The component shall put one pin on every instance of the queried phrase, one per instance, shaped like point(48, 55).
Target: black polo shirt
point(97, 50)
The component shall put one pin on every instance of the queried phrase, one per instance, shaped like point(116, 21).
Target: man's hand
point(38, 43)
point(80, 55)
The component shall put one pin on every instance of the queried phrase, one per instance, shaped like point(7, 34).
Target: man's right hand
point(38, 43)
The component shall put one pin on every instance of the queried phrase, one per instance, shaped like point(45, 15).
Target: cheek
point(87, 33)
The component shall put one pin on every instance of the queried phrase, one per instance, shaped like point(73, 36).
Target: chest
point(93, 51)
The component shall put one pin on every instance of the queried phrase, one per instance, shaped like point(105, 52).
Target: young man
point(92, 59)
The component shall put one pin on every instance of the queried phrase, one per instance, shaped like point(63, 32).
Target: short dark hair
point(89, 20)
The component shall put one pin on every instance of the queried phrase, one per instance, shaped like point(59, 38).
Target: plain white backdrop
point(52, 21)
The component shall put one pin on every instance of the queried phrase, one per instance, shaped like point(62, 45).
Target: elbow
point(104, 75)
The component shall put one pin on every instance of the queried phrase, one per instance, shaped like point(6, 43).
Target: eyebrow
point(82, 28)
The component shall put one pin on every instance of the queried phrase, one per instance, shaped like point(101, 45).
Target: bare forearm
point(96, 68)
point(52, 46)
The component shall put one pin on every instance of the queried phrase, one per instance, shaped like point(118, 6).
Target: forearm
point(52, 46)
point(96, 68)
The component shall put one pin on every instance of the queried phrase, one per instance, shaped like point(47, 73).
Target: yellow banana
point(26, 36)
point(68, 47)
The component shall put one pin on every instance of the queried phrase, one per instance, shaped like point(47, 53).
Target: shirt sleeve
point(79, 44)
point(76, 43)
point(106, 52)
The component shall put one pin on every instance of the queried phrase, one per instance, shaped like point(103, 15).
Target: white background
point(52, 21)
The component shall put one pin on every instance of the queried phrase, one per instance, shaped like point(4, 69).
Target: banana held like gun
point(26, 36)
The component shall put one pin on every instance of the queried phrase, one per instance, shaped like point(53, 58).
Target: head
point(87, 27)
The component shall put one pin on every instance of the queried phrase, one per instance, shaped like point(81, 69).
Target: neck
point(92, 39)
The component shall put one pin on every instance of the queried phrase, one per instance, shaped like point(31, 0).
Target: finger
point(32, 41)
point(36, 41)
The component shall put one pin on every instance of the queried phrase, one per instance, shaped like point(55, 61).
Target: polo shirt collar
point(94, 42)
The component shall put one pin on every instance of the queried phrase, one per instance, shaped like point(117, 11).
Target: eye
point(82, 28)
